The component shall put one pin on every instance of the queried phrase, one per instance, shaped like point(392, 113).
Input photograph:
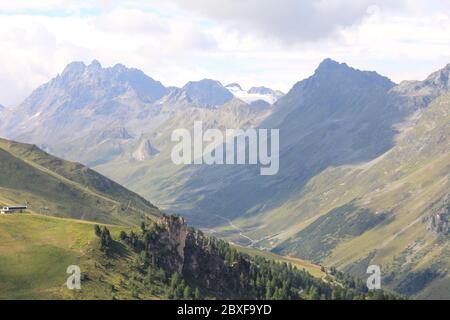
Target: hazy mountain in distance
point(3, 113)
point(113, 133)
point(94, 115)
point(234, 86)
point(435, 85)
point(205, 93)
point(157, 175)
point(254, 93)
point(80, 100)
point(266, 91)
point(2, 109)
point(95, 147)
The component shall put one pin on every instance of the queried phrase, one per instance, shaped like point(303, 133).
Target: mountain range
point(93, 114)
point(364, 162)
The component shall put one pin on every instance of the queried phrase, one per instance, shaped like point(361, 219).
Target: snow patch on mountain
point(254, 93)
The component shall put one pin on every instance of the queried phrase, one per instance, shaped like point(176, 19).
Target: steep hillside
point(66, 189)
point(163, 260)
point(389, 209)
point(393, 211)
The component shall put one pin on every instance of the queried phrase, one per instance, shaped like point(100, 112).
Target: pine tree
point(187, 294)
point(269, 291)
point(197, 295)
point(98, 231)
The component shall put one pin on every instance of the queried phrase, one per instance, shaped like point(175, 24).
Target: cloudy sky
point(254, 42)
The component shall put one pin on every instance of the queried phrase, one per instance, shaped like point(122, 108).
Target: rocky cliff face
point(199, 258)
point(439, 220)
point(174, 236)
point(144, 151)
point(203, 263)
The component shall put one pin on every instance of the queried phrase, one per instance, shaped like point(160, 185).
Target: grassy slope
point(35, 252)
point(313, 269)
point(67, 189)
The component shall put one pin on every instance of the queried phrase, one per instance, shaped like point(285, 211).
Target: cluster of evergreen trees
point(179, 289)
point(243, 276)
point(106, 240)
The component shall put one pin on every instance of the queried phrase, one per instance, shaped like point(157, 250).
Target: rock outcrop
point(144, 151)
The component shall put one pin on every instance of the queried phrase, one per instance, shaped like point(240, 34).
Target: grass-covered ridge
point(66, 189)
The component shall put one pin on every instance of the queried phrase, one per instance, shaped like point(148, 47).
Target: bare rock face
point(115, 133)
point(438, 223)
point(198, 257)
point(144, 151)
point(439, 220)
point(174, 235)
point(203, 263)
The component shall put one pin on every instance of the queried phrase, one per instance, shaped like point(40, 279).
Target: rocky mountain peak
point(115, 133)
point(433, 86)
point(331, 75)
point(207, 93)
point(203, 84)
point(95, 80)
point(76, 67)
point(331, 69)
point(95, 65)
point(260, 90)
point(234, 85)
point(330, 64)
point(439, 79)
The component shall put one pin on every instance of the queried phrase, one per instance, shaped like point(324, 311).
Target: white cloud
point(290, 21)
point(271, 43)
point(35, 47)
